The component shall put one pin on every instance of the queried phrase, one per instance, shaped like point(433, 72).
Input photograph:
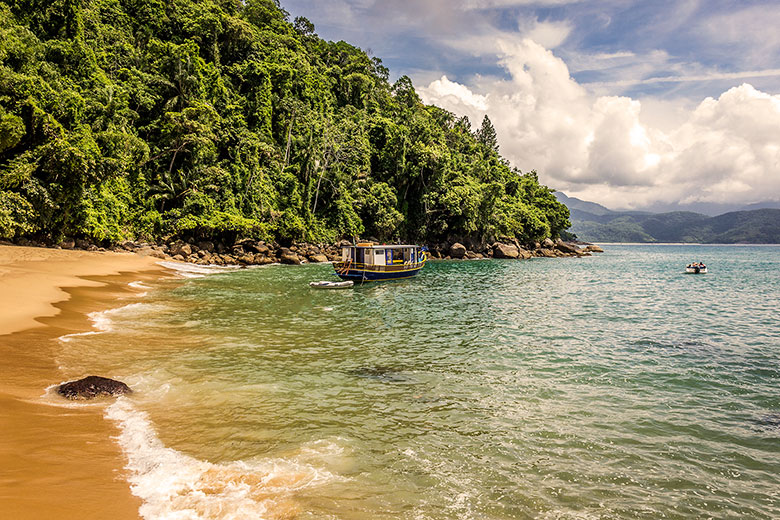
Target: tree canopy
point(213, 118)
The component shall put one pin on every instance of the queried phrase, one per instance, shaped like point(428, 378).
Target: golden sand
point(57, 462)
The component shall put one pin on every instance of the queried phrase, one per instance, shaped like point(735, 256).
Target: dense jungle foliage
point(156, 118)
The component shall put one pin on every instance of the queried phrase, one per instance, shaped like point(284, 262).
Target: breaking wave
point(176, 486)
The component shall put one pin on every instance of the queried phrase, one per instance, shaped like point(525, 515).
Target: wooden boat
point(369, 262)
point(696, 268)
point(331, 285)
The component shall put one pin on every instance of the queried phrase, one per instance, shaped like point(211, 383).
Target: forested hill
point(207, 118)
point(760, 226)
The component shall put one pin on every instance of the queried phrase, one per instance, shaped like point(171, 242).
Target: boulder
point(566, 247)
point(246, 259)
point(178, 258)
point(524, 253)
point(547, 253)
point(91, 387)
point(548, 244)
point(288, 257)
point(82, 244)
point(206, 245)
point(457, 250)
point(318, 258)
point(67, 243)
point(261, 248)
point(180, 248)
point(505, 251)
point(593, 248)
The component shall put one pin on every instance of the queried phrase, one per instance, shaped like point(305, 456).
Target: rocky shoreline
point(245, 252)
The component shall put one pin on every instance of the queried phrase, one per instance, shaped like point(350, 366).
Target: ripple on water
point(604, 387)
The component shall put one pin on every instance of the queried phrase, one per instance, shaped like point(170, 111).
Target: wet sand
point(58, 461)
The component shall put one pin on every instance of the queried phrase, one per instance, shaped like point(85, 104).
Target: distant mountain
point(769, 204)
point(581, 205)
point(711, 209)
point(757, 226)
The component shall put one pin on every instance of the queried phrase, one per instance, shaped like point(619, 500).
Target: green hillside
point(222, 118)
point(760, 226)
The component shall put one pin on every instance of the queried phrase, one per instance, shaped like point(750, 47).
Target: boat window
point(379, 257)
point(398, 256)
point(345, 253)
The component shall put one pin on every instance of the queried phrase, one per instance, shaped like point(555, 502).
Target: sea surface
point(612, 386)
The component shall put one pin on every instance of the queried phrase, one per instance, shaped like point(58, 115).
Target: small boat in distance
point(369, 262)
point(331, 285)
point(696, 268)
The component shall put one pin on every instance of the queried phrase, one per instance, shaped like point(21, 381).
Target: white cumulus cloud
point(604, 148)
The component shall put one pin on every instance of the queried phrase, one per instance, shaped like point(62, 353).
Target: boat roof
point(383, 246)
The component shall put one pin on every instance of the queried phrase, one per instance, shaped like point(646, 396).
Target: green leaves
point(11, 130)
point(126, 118)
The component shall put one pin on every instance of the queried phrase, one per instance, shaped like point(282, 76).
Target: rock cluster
point(206, 252)
point(512, 250)
point(257, 252)
point(91, 387)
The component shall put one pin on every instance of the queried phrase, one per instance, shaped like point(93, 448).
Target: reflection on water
point(609, 386)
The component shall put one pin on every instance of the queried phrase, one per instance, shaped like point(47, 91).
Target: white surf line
point(175, 486)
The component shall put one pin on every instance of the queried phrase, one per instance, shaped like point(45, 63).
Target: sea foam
point(176, 486)
point(195, 270)
point(140, 285)
point(102, 321)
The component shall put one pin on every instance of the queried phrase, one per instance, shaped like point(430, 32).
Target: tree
point(486, 135)
point(148, 118)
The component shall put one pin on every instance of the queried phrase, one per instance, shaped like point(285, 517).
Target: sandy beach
point(57, 461)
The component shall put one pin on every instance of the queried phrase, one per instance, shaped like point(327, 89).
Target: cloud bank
point(604, 148)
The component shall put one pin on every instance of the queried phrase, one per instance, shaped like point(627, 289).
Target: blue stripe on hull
point(370, 276)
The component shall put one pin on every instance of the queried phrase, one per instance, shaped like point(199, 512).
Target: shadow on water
point(769, 423)
point(385, 374)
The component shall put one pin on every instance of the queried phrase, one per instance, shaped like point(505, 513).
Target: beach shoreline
point(56, 460)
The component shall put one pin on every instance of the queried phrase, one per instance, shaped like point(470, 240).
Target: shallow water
point(612, 386)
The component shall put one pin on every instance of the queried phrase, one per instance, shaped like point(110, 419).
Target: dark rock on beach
point(91, 387)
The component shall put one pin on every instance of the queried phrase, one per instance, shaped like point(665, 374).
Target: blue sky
point(610, 101)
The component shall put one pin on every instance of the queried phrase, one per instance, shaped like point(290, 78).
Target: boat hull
point(331, 285)
point(696, 270)
point(378, 273)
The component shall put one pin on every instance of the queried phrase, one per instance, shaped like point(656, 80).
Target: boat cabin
point(368, 253)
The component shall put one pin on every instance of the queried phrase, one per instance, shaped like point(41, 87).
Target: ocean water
point(612, 386)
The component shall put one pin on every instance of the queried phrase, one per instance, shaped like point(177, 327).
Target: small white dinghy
point(696, 268)
point(331, 285)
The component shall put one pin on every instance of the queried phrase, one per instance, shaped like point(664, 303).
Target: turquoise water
point(612, 386)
